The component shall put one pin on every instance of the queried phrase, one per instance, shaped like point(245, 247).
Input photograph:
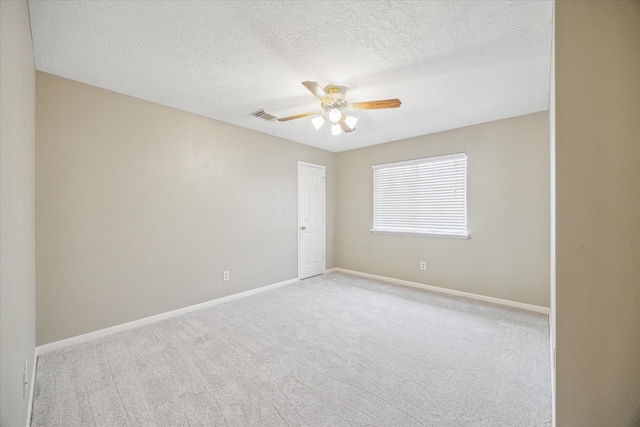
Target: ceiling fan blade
point(376, 105)
point(299, 116)
point(315, 89)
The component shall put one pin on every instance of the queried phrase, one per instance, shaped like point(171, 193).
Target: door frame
point(324, 214)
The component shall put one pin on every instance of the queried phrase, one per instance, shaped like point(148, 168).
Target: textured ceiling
point(452, 64)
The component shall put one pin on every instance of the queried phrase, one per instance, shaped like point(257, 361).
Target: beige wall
point(508, 213)
point(597, 134)
point(17, 210)
point(141, 207)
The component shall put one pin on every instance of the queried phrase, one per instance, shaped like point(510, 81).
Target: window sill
point(422, 234)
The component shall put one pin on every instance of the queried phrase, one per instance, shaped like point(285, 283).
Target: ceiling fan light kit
point(333, 103)
point(318, 122)
point(335, 115)
point(351, 121)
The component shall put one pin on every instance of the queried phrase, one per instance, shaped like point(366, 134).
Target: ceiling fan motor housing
point(337, 96)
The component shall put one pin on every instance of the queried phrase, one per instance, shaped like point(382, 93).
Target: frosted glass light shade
point(335, 115)
point(336, 129)
point(318, 122)
point(351, 121)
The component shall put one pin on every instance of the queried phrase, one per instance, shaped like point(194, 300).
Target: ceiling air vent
point(264, 116)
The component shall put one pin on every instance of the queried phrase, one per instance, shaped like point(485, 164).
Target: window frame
point(417, 231)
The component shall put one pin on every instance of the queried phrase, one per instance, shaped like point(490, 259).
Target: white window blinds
point(423, 196)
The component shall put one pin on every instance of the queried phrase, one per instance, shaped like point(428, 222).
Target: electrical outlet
point(423, 265)
point(225, 275)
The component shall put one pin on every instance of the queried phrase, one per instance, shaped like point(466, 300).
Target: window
point(421, 197)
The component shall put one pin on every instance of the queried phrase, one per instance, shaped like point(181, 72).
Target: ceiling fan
point(334, 105)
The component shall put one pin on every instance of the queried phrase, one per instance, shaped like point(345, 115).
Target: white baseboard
point(32, 385)
point(56, 345)
point(530, 307)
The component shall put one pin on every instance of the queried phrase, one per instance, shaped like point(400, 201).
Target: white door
point(311, 224)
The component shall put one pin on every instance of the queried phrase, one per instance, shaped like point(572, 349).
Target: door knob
point(303, 228)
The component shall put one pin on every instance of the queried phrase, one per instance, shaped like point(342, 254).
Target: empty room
point(320, 213)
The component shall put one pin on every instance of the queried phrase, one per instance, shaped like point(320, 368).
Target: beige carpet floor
point(334, 350)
